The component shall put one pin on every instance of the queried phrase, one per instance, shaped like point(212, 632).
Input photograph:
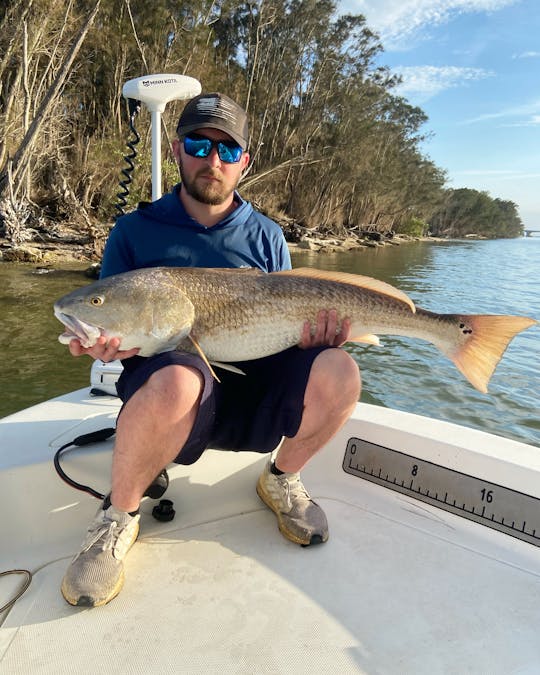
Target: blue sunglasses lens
point(229, 152)
point(200, 146)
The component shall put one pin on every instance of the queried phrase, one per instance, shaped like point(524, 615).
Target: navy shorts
point(242, 412)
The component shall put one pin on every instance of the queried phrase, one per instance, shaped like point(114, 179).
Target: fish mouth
point(86, 333)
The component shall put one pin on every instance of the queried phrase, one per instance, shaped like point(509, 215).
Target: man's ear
point(176, 145)
point(245, 160)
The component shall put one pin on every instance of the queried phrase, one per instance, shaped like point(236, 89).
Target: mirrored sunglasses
point(200, 146)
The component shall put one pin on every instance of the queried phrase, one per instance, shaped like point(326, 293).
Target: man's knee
point(172, 386)
point(336, 377)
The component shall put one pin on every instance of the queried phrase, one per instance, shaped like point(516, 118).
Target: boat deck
point(400, 587)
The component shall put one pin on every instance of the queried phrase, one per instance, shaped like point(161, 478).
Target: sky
point(473, 66)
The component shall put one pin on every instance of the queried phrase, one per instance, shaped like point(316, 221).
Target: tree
point(332, 146)
point(469, 212)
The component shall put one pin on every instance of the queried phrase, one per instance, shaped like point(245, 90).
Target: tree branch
point(22, 156)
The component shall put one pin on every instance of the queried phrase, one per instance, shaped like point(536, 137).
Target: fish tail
point(483, 341)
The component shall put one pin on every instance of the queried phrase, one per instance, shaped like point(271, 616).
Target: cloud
point(533, 121)
point(398, 21)
point(525, 115)
point(423, 82)
point(526, 55)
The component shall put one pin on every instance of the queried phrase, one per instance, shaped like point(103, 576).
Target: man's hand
point(105, 350)
point(325, 331)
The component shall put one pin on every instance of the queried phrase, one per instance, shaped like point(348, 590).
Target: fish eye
point(96, 300)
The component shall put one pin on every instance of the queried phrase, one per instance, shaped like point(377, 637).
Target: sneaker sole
point(288, 534)
point(86, 600)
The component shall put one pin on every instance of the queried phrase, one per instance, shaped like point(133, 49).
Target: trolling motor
point(155, 91)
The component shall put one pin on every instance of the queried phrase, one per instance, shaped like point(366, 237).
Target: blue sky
point(473, 66)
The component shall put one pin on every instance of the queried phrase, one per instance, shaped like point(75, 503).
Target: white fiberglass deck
point(400, 587)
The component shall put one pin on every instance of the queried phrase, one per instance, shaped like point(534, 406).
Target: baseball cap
point(216, 111)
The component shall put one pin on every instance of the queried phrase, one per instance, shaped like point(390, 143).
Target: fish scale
point(277, 306)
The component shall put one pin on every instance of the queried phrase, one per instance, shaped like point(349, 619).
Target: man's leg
point(332, 391)
point(154, 424)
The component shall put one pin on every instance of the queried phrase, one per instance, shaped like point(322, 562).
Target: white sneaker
point(300, 519)
point(96, 574)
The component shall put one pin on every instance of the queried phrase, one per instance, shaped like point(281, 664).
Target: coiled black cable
point(134, 107)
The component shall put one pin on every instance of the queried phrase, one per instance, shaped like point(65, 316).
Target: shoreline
point(71, 249)
point(345, 244)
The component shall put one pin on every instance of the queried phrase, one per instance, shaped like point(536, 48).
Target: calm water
point(498, 277)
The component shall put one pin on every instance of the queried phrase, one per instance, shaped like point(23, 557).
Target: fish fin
point(227, 366)
point(203, 356)
point(254, 271)
point(368, 283)
point(488, 338)
point(368, 339)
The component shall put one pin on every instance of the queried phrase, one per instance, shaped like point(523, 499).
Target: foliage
point(465, 212)
point(332, 146)
point(414, 227)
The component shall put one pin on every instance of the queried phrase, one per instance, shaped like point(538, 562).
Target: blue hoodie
point(163, 234)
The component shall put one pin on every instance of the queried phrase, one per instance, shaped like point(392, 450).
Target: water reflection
point(35, 366)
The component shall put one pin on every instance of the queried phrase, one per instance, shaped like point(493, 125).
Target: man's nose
point(213, 158)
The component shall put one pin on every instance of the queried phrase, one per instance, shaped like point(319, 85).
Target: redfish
point(237, 315)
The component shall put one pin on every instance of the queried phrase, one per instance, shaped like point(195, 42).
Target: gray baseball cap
point(216, 111)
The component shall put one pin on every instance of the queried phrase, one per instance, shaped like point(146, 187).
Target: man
point(173, 407)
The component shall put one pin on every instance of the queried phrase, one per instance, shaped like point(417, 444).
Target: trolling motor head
point(155, 91)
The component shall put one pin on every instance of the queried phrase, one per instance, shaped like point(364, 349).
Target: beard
point(213, 192)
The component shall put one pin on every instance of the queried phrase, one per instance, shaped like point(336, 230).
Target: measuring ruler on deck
point(501, 508)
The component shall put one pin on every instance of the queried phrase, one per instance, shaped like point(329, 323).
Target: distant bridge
point(529, 233)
